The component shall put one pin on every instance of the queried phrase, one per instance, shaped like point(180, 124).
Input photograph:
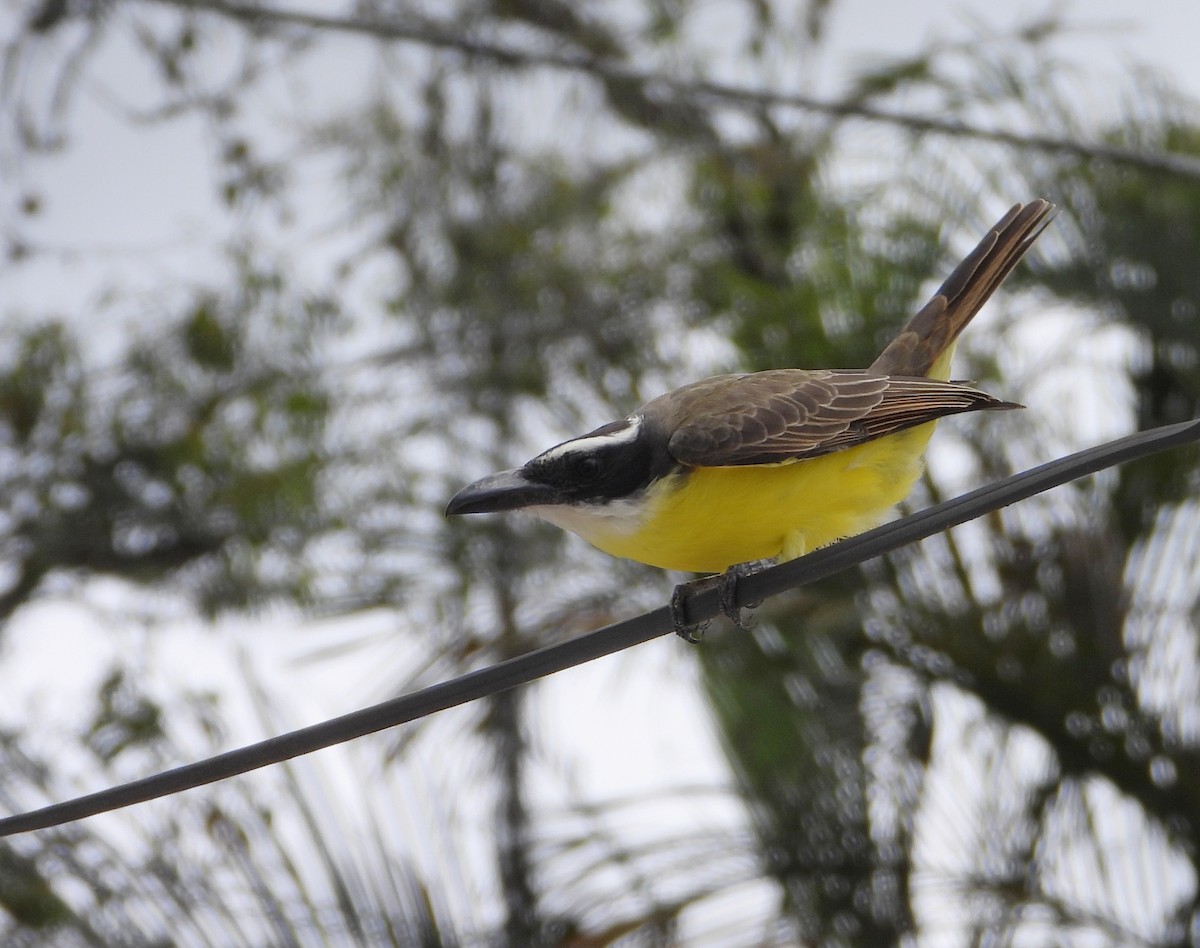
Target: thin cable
point(701, 606)
point(434, 35)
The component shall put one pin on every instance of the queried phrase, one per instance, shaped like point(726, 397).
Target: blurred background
point(277, 280)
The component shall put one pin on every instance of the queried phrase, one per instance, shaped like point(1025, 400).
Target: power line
point(424, 32)
point(546, 661)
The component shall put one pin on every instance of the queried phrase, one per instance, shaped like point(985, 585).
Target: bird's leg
point(689, 631)
point(727, 591)
point(726, 586)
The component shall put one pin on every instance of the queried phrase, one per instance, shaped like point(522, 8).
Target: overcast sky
point(133, 207)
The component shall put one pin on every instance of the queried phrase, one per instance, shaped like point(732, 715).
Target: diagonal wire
point(700, 606)
point(613, 70)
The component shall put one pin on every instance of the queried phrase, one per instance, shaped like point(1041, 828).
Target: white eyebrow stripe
point(625, 435)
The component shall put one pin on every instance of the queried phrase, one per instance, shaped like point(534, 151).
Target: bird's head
point(614, 462)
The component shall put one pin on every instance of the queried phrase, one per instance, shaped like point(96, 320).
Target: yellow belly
point(712, 518)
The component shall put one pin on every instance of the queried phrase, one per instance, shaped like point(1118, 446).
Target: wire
point(700, 606)
point(439, 37)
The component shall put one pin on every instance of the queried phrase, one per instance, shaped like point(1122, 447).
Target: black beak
point(508, 490)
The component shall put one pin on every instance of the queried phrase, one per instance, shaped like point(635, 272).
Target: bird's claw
point(726, 584)
point(691, 632)
point(727, 596)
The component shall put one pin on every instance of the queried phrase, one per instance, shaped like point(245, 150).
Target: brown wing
point(786, 414)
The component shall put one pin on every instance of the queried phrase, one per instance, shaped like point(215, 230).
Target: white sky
point(144, 199)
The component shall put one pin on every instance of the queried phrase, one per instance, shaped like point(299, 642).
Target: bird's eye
point(586, 466)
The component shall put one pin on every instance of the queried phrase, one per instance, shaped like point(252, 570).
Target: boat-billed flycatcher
point(772, 464)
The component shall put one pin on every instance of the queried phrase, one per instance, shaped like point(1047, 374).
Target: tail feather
point(933, 330)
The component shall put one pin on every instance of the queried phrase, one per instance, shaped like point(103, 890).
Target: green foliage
point(206, 869)
point(534, 250)
point(26, 895)
point(208, 343)
point(787, 701)
point(124, 719)
point(792, 271)
point(200, 445)
point(1138, 237)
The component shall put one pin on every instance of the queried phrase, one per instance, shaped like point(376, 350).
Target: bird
point(736, 471)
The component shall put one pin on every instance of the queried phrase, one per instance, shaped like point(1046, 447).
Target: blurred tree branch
point(660, 89)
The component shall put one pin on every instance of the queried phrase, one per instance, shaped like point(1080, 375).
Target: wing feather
point(789, 414)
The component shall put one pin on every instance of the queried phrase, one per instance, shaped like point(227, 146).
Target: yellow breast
point(709, 519)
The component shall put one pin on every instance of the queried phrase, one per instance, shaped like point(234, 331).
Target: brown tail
point(935, 328)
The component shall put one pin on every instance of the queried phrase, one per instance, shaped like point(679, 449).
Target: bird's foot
point(691, 632)
point(726, 585)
